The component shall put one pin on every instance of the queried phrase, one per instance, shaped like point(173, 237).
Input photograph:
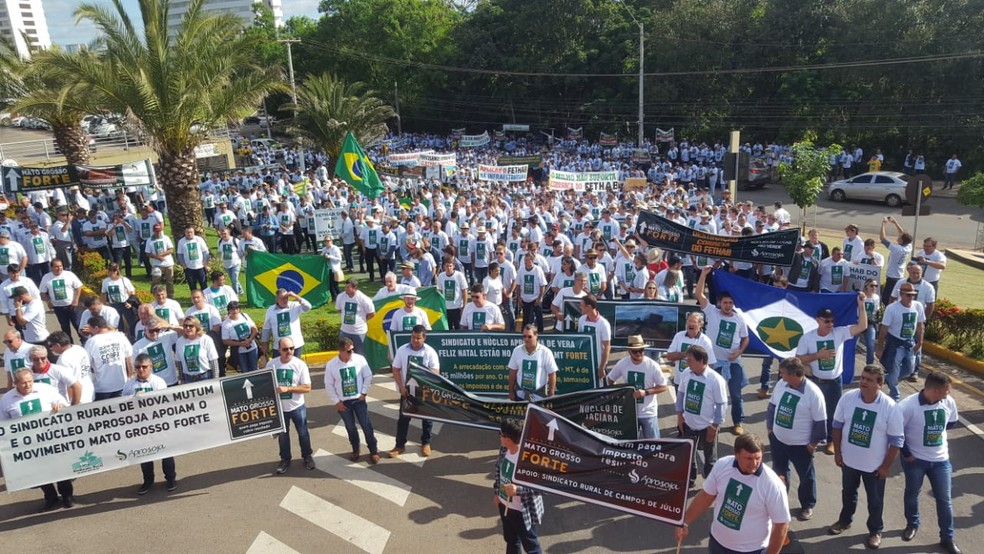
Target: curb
point(955, 358)
point(321, 358)
point(961, 255)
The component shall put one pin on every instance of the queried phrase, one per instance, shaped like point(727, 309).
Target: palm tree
point(61, 101)
point(327, 108)
point(11, 72)
point(173, 88)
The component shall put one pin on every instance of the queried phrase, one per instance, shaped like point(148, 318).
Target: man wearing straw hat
point(643, 373)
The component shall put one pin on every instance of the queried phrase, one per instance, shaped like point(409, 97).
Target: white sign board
point(328, 222)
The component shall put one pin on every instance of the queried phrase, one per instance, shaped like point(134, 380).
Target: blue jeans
point(358, 409)
point(195, 279)
point(234, 277)
point(248, 360)
point(734, 373)
point(650, 427)
point(869, 344)
point(518, 538)
point(898, 361)
point(874, 489)
point(403, 429)
point(802, 460)
point(204, 376)
point(765, 379)
point(939, 480)
point(299, 418)
point(832, 391)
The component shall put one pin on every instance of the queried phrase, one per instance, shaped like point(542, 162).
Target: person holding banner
point(532, 286)
point(422, 356)
point(27, 398)
point(643, 373)
point(520, 508)
point(480, 314)
point(752, 515)
point(682, 341)
point(532, 368)
point(823, 350)
point(592, 323)
point(145, 381)
point(730, 341)
point(702, 396)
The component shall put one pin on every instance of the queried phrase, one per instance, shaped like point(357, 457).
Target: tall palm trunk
point(72, 142)
point(178, 174)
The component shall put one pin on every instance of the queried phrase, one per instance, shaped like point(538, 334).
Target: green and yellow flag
point(305, 275)
point(377, 338)
point(355, 168)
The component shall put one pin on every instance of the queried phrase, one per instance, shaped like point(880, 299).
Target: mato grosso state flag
point(377, 337)
point(305, 275)
point(778, 318)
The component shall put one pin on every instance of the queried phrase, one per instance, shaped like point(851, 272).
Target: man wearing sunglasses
point(293, 382)
point(347, 381)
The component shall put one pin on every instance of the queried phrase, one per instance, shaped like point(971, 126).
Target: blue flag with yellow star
point(777, 318)
point(305, 275)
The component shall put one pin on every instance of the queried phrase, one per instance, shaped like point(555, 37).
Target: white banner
point(120, 432)
point(512, 173)
point(473, 141)
point(592, 181)
point(438, 160)
point(515, 128)
point(327, 222)
point(407, 158)
point(859, 273)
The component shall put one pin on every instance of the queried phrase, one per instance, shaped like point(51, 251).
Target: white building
point(241, 8)
point(20, 18)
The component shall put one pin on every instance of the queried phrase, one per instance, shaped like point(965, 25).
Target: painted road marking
point(265, 544)
point(412, 455)
point(342, 523)
point(357, 474)
point(392, 411)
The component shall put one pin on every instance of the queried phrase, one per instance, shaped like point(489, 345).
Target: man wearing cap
point(423, 357)
point(804, 274)
point(597, 276)
point(28, 312)
point(900, 338)
point(159, 249)
point(823, 350)
point(643, 373)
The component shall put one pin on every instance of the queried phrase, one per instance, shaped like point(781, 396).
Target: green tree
point(174, 88)
point(327, 108)
point(804, 176)
point(971, 191)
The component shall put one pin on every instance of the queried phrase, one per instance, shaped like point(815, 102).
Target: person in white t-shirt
point(145, 381)
point(193, 255)
point(60, 289)
point(900, 338)
point(76, 359)
point(347, 382)
point(451, 284)
point(643, 373)
point(933, 262)
point(682, 342)
point(834, 272)
point(702, 396)
point(424, 357)
point(898, 255)
point(853, 245)
point(194, 352)
point(593, 323)
point(160, 250)
point(239, 332)
point(356, 309)
point(293, 382)
point(925, 419)
point(867, 439)
point(520, 508)
point(751, 509)
point(532, 368)
point(480, 314)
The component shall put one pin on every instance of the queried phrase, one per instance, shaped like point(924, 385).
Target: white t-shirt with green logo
point(925, 424)
point(811, 343)
point(239, 329)
point(452, 288)
point(698, 394)
point(681, 343)
point(292, 373)
point(286, 322)
point(532, 370)
point(866, 429)
point(601, 329)
point(40, 400)
point(17, 359)
point(795, 412)
point(425, 358)
point(473, 317)
point(726, 332)
point(161, 352)
point(347, 380)
point(354, 310)
point(195, 355)
point(117, 290)
point(903, 322)
point(644, 375)
point(746, 505)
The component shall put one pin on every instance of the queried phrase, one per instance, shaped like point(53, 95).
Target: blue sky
point(63, 30)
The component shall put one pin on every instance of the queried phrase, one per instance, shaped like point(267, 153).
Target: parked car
point(879, 186)
point(758, 175)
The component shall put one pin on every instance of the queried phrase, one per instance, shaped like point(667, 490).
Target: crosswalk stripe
point(265, 544)
point(342, 523)
point(383, 441)
point(387, 384)
point(357, 474)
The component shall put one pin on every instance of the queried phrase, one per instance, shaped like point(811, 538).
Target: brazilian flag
point(355, 168)
point(305, 275)
point(406, 202)
point(377, 338)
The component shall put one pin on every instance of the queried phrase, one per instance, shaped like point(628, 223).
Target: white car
point(880, 186)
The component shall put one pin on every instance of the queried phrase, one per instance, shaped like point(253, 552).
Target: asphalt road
point(228, 499)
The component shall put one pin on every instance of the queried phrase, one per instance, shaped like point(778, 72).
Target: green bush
point(957, 329)
point(91, 269)
point(320, 333)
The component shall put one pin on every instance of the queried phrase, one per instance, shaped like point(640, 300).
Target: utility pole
point(642, 73)
point(293, 93)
